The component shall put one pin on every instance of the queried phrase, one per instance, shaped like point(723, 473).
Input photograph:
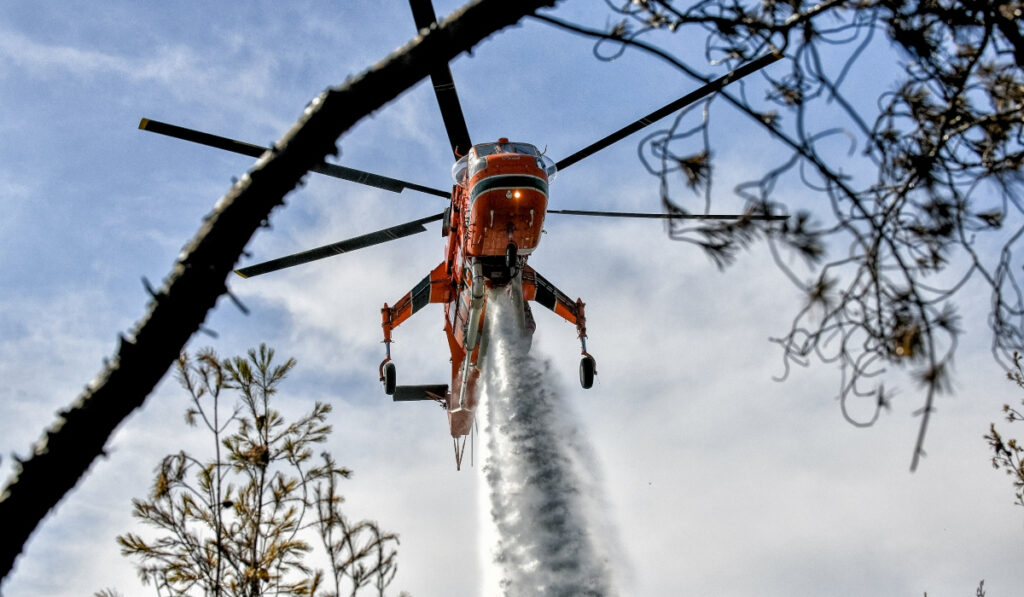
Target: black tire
point(587, 367)
point(389, 378)
point(511, 257)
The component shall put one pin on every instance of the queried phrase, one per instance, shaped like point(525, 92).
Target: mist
point(546, 525)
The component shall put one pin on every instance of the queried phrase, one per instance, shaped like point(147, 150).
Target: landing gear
point(388, 376)
point(512, 259)
point(588, 367)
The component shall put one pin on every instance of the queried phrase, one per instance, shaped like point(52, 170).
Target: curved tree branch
point(198, 278)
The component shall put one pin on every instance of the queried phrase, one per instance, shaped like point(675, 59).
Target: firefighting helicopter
point(493, 223)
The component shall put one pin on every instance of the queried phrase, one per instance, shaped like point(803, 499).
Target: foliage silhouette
point(1008, 455)
point(239, 521)
point(896, 136)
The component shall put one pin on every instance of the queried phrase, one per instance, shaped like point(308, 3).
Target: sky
point(716, 478)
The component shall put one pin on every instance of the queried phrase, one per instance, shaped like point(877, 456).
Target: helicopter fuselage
point(493, 225)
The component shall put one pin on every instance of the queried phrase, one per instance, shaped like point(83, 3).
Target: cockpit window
point(459, 171)
point(485, 149)
point(525, 149)
point(476, 160)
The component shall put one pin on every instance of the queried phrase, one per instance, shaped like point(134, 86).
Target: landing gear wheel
point(511, 257)
point(587, 370)
point(389, 378)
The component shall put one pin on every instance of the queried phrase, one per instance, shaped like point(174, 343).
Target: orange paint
point(494, 223)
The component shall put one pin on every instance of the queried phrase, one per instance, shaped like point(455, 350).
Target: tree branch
point(199, 277)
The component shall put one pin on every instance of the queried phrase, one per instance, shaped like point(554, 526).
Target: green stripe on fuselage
point(508, 181)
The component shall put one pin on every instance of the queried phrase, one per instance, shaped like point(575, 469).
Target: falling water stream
point(546, 530)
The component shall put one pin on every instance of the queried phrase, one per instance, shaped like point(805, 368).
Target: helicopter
point(496, 213)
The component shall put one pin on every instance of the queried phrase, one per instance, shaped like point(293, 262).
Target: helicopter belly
point(497, 221)
point(510, 210)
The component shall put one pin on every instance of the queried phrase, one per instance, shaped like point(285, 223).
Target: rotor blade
point(664, 216)
point(359, 242)
point(351, 174)
point(444, 86)
point(678, 104)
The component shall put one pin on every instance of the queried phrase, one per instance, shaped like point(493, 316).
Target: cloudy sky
point(717, 479)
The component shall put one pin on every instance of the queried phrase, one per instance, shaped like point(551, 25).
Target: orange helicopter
point(493, 223)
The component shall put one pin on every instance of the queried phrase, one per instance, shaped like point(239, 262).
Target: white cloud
point(720, 481)
point(176, 69)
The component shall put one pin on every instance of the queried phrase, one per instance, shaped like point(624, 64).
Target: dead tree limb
point(198, 278)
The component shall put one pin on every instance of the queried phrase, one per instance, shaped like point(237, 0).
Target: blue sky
point(718, 480)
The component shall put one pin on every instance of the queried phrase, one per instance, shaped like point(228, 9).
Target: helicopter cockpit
point(468, 165)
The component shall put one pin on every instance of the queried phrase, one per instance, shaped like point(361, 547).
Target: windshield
point(484, 149)
point(476, 159)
